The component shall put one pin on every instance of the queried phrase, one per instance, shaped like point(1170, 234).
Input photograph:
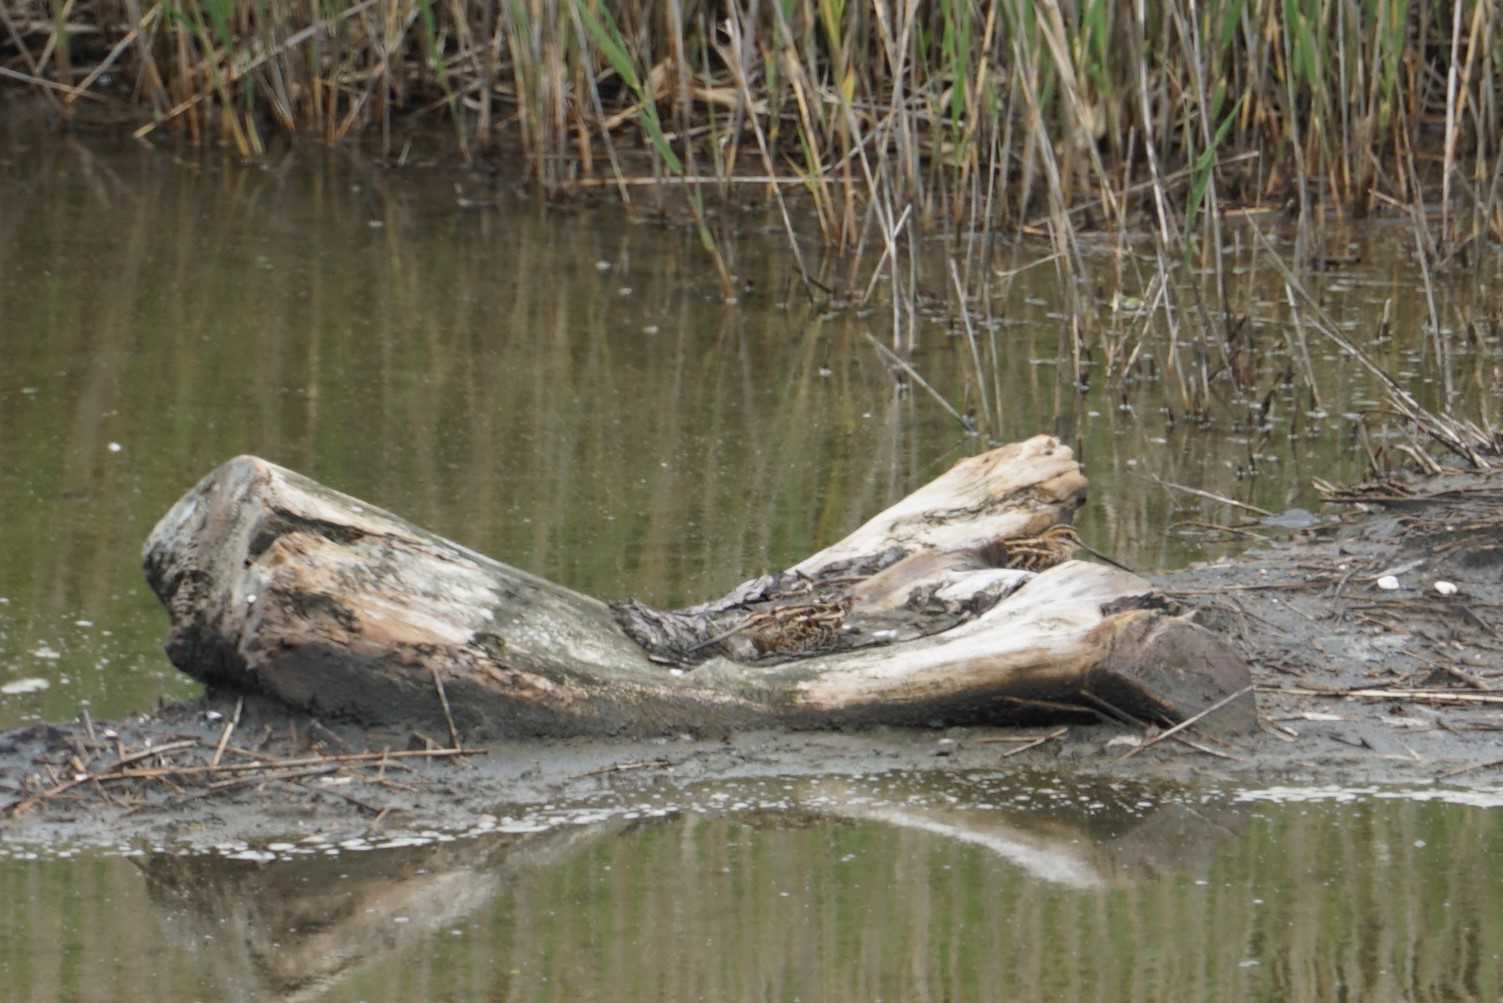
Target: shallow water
point(564, 390)
point(975, 886)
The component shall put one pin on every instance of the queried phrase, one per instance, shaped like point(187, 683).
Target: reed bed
point(987, 112)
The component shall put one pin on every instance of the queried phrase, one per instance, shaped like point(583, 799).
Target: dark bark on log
point(279, 585)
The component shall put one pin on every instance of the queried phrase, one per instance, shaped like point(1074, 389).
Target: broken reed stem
point(1035, 743)
point(1489, 765)
point(354, 757)
point(117, 770)
point(1210, 495)
point(898, 361)
point(1461, 438)
point(1417, 696)
point(443, 698)
point(23, 805)
point(660, 762)
point(229, 729)
point(1187, 722)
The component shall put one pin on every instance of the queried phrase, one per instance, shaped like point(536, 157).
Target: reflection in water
point(834, 890)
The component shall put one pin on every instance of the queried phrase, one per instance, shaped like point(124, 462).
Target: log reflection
point(827, 868)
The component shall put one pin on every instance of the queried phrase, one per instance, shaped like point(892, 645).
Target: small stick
point(294, 775)
point(1234, 530)
point(898, 361)
point(717, 638)
point(362, 805)
point(1468, 769)
point(438, 683)
point(88, 723)
point(229, 728)
point(1054, 705)
point(229, 785)
point(1113, 712)
point(1051, 736)
point(356, 757)
point(391, 785)
point(1182, 740)
point(1258, 587)
point(324, 730)
point(1277, 730)
point(1418, 696)
point(236, 750)
point(1004, 740)
point(641, 764)
point(1207, 494)
point(40, 82)
point(1186, 723)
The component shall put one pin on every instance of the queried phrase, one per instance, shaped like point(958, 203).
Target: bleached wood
point(277, 584)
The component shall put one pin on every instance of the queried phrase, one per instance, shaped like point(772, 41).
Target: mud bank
point(1357, 683)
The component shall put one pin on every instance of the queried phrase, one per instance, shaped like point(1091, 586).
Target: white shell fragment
point(1388, 583)
point(1445, 588)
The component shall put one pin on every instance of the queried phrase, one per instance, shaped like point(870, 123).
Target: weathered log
point(276, 584)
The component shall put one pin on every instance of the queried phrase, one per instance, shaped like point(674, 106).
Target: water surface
point(563, 389)
point(981, 886)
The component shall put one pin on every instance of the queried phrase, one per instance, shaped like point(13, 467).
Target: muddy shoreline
point(1357, 685)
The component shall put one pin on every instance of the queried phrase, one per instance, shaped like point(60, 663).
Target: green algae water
point(564, 390)
point(976, 886)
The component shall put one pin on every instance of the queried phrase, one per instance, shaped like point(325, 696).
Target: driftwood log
point(956, 605)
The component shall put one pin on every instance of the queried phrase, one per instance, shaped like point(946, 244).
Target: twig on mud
point(640, 764)
point(1277, 730)
point(356, 757)
point(1186, 723)
point(25, 804)
point(1256, 587)
point(238, 782)
point(1051, 736)
point(1418, 696)
point(1113, 711)
point(322, 729)
point(1056, 705)
point(1004, 740)
point(443, 698)
point(1457, 674)
point(260, 757)
point(261, 768)
point(229, 729)
point(1490, 764)
point(364, 806)
point(1188, 743)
